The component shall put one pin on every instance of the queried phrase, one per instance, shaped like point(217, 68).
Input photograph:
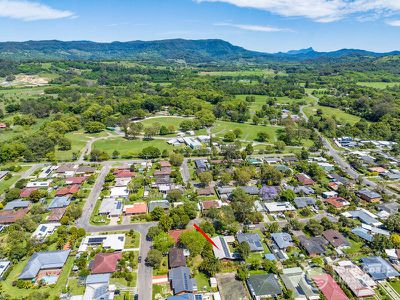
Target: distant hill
point(191, 51)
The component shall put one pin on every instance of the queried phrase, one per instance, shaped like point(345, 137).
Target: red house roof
point(124, 174)
point(329, 287)
point(26, 192)
point(164, 163)
point(106, 262)
point(11, 216)
point(337, 202)
point(175, 234)
point(210, 204)
point(136, 208)
point(75, 180)
point(68, 190)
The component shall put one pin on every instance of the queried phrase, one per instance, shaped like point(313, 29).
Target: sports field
point(339, 114)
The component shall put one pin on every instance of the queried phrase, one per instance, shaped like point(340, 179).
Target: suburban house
point(119, 192)
point(110, 207)
point(364, 216)
point(26, 192)
point(335, 238)
point(208, 204)
point(356, 279)
point(176, 258)
point(135, 209)
point(314, 245)
point(105, 262)
point(223, 251)
point(164, 204)
point(387, 209)
point(181, 282)
point(301, 202)
point(38, 184)
point(98, 287)
point(44, 230)
point(250, 190)
point(75, 180)
point(45, 265)
point(368, 232)
point(282, 240)
point(107, 241)
point(329, 287)
point(85, 170)
point(17, 204)
point(264, 286)
point(378, 268)
point(252, 239)
point(304, 179)
point(369, 195)
point(276, 207)
point(68, 190)
point(269, 193)
point(207, 191)
point(11, 216)
point(59, 202)
point(295, 280)
point(337, 202)
point(56, 214)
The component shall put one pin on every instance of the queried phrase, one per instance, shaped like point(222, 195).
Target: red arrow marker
point(205, 235)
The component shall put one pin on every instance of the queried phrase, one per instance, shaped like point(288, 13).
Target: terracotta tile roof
point(305, 179)
point(136, 208)
point(106, 262)
point(329, 287)
point(335, 238)
point(26, 192)
point(165, 164)
point(68, 190)
point(337, 202)
point(124, 174)
point(206, 191)
point(75, 180)
point(210, 204)
point(162, 172)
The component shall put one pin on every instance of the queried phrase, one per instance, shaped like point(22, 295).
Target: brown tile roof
point(206, 191)
point(56, 214)
point(305, 179)
point(164, 163)
point(106, 262)
point(75, 180)
point(85, 169)
point(162, 172)
point(124, 174)
point(210, 204)
point(176, 258)
point(10, 216)
point(136, 208)
point(65, 168)
point(335, 238)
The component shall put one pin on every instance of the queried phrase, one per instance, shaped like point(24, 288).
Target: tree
point(12, 194)
point(393, 222)
point(205, 178)
point(270, 175)
point(249, 149)
point(242, 273)
point(94, 127)
point(153, 232)
point(133, 130)
point(98, 155)
point(229, 136)
point(238, 132)
point(174, 195)
point(163, 242)
point(64, 144)
point(288, 195)
point(225, 178)
point(193, 241)
point(242, 175)
point(244, 250)
point(207, 227)
point(115, 154)
point(242, 205)
point(280, 146)
point(381, 242)
point(150, 152)
point(395, 239)
point(262, 136)
point(314, 227)
point(157, 213)
point(154, 258)
point(165, 222)
point(176, 159)
point(210, 266)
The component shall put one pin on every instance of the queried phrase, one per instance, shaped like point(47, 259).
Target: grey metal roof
point(158, 203)
point(252, 239)
point(282, 239)
point(363, 233)
point(19, 203)
point(44, 260)
point(181, 280)
point(264, 285)
point(301, 202)
point(98, 278)
point(390, 207)
point(251, 190)
point(313, 245)
point(363, 217)
point(59, 202)
point(368, 193)
point(378, 268)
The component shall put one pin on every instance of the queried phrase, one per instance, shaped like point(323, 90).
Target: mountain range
point(190, 51)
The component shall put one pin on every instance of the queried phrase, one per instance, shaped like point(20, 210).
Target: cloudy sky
point(263, 25)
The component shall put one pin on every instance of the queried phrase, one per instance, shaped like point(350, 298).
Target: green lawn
point(249, 131)
point(74, 288)
point(339, 114)
point(395, 285)
point(355, 247)
point(165, 121)
point(132, 242)
point(378, 85)
point(203, 282)
point(5, 184)
point(129, 147)
point(23, 293)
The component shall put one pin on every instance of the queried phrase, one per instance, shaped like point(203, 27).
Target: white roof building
point(44, 230)
point(119, 192)
point(4, 265)
point(279, 206)
point(38, 184)
point(108, 241)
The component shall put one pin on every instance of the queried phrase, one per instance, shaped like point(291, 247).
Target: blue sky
point(263, 25)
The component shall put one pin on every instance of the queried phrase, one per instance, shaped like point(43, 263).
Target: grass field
point(258, 72)
point(339, 114)
point(54, 291)
point(5, 184)
point(129, 147)
point(175, 121)
point(249, 131)
point(378, 85)
point(261, 99)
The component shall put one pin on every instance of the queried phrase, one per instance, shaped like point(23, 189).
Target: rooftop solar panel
point(119, 205)
point(96, 240)
point(43, 229)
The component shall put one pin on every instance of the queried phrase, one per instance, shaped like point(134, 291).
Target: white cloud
point(395, 23)
point(253, 27)
point(318, 10)
point(31, 11)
